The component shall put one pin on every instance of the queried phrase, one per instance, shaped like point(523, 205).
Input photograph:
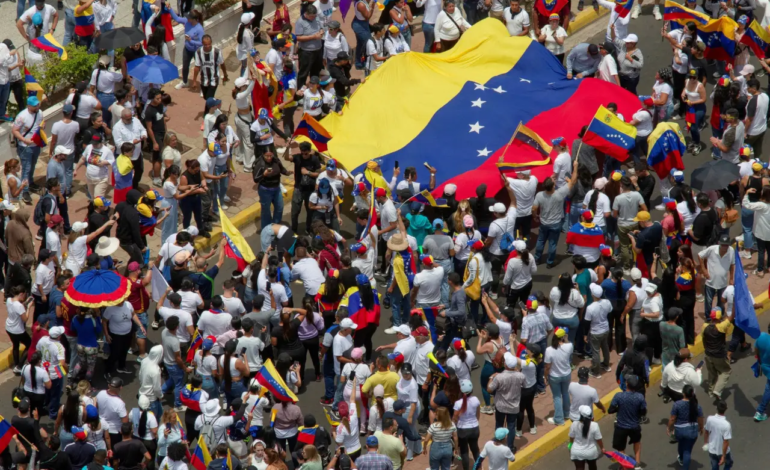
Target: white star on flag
point(484, 153)
point(499, 89)
point(477, 103)
point(479, 86)
point(476, 127)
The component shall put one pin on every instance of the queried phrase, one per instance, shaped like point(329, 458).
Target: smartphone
point(700, 364)
point(243, 351)
point(295, 365)
point(396, 165)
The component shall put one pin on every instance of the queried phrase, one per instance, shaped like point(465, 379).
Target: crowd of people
point(457, 279)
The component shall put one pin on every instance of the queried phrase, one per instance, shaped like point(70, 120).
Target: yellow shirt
point(725, 326)
point(390, 446)
point(387, 379)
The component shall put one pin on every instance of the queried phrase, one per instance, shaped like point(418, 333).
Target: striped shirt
point(440, 434)
point(535, 327)
point(374, 461)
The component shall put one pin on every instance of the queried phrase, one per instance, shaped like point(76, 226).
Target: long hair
point(585, 421)
point(332, 289)
point(142, 423)
point(689, 392)
point(452, 388)
point(309, 305)
point(687, 252)
point(678, 223)
point(687, 195)
point(565, 288)
point(367, 296)
point(230, 347)
point(617, 275)
point(524, 255)
point(288, 329)
point(443, 417)
point(37, 356)
point(612, 190)
point(594, 199)
point(380, 406)
point(70, 412)
point(157, 39)
point(172, 170)
point(241, 29)
point(255, 269)
point(79, 89)
point(463, 208)
point(464, 406)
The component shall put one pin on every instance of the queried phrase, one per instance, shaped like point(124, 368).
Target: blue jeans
point(747, 222)
point(223, 184)
point(715, 152)
point(137, 9)
point(400, 305)
point(106, 99)
point(156, 407)
point(176, 380)
point(575, 210)
point(361, 28)
point(449, 267)
point(441, 455)
point(339, 388)
point(700, 114)
point(571, 323)
point(686, 437)
point(560, 390)
point(53, 397)
point(22, 6)
point(108, 26)
point(69, 26)
point(268, 196)
point(236, 391)
point(710, 292)
point(551, 234)
point(486, 372)
point(540, 368)
point(765, 398)
point(427, 30)
point(5, 93)
point(28, 157)
point(480, 319)
point(716, 458)
point(69, 168)
point(509, 419)
point(329, 387)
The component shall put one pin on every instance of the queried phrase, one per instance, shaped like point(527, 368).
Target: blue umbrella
point(153, 69)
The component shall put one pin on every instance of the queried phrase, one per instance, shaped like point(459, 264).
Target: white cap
point(247, 18)
point(404, 330)
point(379, 391)
point(192, 230)
point(144, 402)
point(524, 172)
point(747, 69)
point(510, 360)
point(631, 38)
point(56, 331)
point(585, 411)
point(241, 81)
point(635, 274)
point(61, 150)
point(499, 207)
point(600, 183)
point(450, 189)
point(596, 290)
point(347, 323)
point(79, 226)
point(650, 288)
point(519, 245)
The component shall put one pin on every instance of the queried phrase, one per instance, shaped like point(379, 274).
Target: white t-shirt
point(111, 409)
point(644, 120)
point(584, 448)
point(218, 424)
point(253, 347)
point(500, 226)
point(719, 430)
point(185, 320)
point(388, 215)
point(256, 406)
point(205, 366)
point(407, 347)
point(525, 191)
point(234, 306)
point(41, 377)
point(349, 439)
point(207, 164)
point(53, 243)
point(497, 456)
point(660, 88)
point(13, 323)
point(215, 324)
point(718, 266)
point(279, 292)
point(190, 301)
point(337, 184)
point(275, 59)
point(562, 166)
point(103, 154)
point(759, 122)
point(559, 359)
point(729, 296)
point(152, 423)
point(407, 390)
point(550, 39)
point(515, 22)
point(682, 56)
point(596, 313)
point(463, 370)
point(309, 273)
point(653, 305)
point(325, 11)
point(47, 14)
point(78, 251)
point(468, 419)
point(119, 317)
point(602, 206)
point(429, 281)
point(170, 249)
point(86, 105)
point(52, 352)
point(312, 101)
point(44, 277)
point(65, 133)
point(340, 344)
point(608, 68)
point(569, 309)
point(579, 395)
point(362, 373)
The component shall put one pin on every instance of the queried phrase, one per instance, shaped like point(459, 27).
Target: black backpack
point(39, 215)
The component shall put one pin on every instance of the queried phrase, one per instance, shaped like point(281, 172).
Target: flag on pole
point(623, 7)
point(425, 198)
point(527, 136)
point(236, 246)
point(269, 378)
point(197, 341)
point(666, 146)
point(201, 457)
point(610, 134)
point(6, 433)
point(745, 316)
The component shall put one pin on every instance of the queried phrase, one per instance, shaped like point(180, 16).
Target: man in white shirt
point(25, 127)
point(52, 350)
point(717, 264)
point(341, 344)
point(596, 314)
point(214, 322)
point(421, 365)
point(516, 19)
point(504, 223)
point(129, 129)
point(233, 305)
point(582, 394)
point(388, 221)
point(427, 284)
point(26, 23)
point(524, 187)
point(44, 280)
point(719, 432)
point(112, 409)
point(252, 344)
point(63, 133)
point(642, 120)
point(186, 326)
point(756, 116)
point(562, 165)
point(406, 344)
point(117, 331)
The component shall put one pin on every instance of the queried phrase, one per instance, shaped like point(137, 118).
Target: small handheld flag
point(49, 44)
point(197, 341)
point(39, 138)
point(236, 246)
point(201, 457)
point(609, 134)
point(527, 136)
point(435, 363)
point(273, 414)
point(424, 197)
point(6, 433)
point(269, 378)
point(757, 38)
point(314, 131)
point(623, 7)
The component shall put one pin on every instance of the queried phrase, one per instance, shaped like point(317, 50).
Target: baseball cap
point(421, 331)
point(427, 260)
point(67, 108)
point(561, 331)
point(398, 405)
point(636, 274)
point(380, 192)
point(43, 254)
point(372, 441)
point(315, 80)
point(501, 433)
point(379, 391)
point(33, 101)
point(56, 331)
point(724, 239)
point(650, 288)
point(79, 226)
point(396, 357)
point(348, 323)
point(62, 150)
point(499, 208)
point(466, 386)
point(510, 360)
point(101, 201)
point(403, 329)
point(560, 140)
point(406, 368)
point(341, 55)
point(438, 223)
point(134, 266)
point(241, 81)
point(468, 221)
point(56, 219)
point(585, 411)
point(642, 216)
point(631, 38)
point(211, 102)
point(519, 245)
point(596, 290)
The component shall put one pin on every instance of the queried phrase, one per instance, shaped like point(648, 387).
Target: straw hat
point(107, 246)
point(398, 243)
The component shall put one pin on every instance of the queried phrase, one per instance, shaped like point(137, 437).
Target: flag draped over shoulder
point(609, 134)
point(373, 180)
point(307, 435)
point(269, 377)
point(588, 235)
point(666, 147)
point(236, 246)
point(372, 220)
point(191, 398)
point(357, 312)
point(757, 38)
point(745, 316)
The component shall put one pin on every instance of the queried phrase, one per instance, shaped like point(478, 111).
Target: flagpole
point(502, 156)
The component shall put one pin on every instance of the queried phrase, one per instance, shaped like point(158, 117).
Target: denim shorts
point(143, 321)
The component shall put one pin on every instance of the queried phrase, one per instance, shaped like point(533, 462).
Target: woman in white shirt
point(585, 438)
point(84, 103)
point(608, 67)
point(36, 382)
point(450, 25)
point(558, 372)
point(360, 372)
point(462, 361)
point(652, 314)
point(380, 406)
point(375, 49)
point(518, 274)
point(394, 42)
point(171, 197)
point(77, 245)
point(566, 301)
point(171, 154)
point(663, 96)
point(528, 365)
point(12, 170)
point(334, 42)
point(156, 35)
point(145, 424)
point(479, 264)
point(407, 390)
point(207, 366)
point(347, 430)
point(103, 86)
point(18, 307)
point(98, 160)
point(466, 417)
point(243, 119)
point(245, 39)
point(552, 36)
point(599, 203)
point(687, 208)
point(761, 226)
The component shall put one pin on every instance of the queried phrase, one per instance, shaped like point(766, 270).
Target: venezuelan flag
point(191, 397)
point(49, 44)
point(623, 7)
point(680, 14)
point(236, 247)
point(547, 7)
point(6, 433)
point(273, 414)
point(667, 145)
point(718, 35)
point(269, 378)
point(426, 198)
point(471, 111)
point(527, 136)
point(307, 435)
point(757, 38)
point(588, 235)
point(197, 340)
point(435, 362)
point(314, 131)
point(123, 174)
point(356, 310)
point(201, 457)
point(228, 463)
point(84, 22)
point(684, 282)
point(60, 373)
point(33, 87)
point(372, 220)
point(609, 134)
point(39, 138)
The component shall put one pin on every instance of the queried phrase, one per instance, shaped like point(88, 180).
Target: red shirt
point(329, 257)
point(139, 298)
point(68, 312)
point(37, 333)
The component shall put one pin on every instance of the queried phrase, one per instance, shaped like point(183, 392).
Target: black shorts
point(623, 436)
point(157, 155)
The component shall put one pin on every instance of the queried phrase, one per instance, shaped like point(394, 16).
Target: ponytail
point(586, 422)
point(142, 424)
point(241, 29)
point(524, 255)
point(593, 200)
point(465, 402)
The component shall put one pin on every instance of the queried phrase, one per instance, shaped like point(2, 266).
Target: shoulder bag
point(473, 291)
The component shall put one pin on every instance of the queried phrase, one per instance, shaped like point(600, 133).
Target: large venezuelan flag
point(667, 145)
point(609, 134)
point(236, 246)
point(718, 35)
point(464, 105)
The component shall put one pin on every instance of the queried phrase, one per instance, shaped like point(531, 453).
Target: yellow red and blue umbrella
point(98, 288)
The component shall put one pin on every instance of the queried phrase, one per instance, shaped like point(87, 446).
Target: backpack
point(498, 361)
point(39, 216)
point(506, 241)
point(207, 433)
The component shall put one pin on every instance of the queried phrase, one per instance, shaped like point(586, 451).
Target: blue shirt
point(630, 407)
point(681, 410)
point(610, 289)
point(205, 285)
point(54, 300)
point(87, 330)
point(763, 346)
point(194, 32)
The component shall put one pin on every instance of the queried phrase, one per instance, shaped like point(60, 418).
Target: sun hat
point(107, 246)
point(398, 242)
point(212, 408)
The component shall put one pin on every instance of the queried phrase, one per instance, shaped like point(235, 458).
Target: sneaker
point(656, 361)
point(656, 13)
point(107, 376)
point(157, 182)
point(224, 206)
point(595, 375)
point(533, 430)
point(227, 199)
point(17, 370)
point(608, 369)
point(758, 273)
point(635, 11)
point(180, 85)
point(745, 254)
point(38, 237)
point(390, 331)
point(679, 461)
point(760, 416)
point(660, 207)
point(493, 295)
point(155, 325)
point(326, 401)
point(27, 199)
point(519, 434)
point(122, 371)
point(551, 421)
point(698, 149)
point(488, 410)
point(716, 74)
point(180, 409)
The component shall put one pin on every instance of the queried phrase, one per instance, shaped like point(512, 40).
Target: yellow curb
point(560, 435)
point(585, 18)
